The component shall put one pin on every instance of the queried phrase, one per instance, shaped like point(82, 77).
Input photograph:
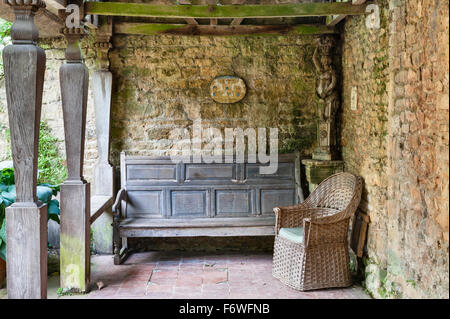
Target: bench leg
point(121, 251)
point(117, 241)
point(124, 252)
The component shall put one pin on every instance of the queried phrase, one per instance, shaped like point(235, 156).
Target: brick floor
point(181, 275)
point(164, 275)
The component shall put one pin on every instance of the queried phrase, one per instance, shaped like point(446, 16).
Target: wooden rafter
point(188, 20)
point(237, 21)
point(223, 11)
point(218, 30)
point(333, 20)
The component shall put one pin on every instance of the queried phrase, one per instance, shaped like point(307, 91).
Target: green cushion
point(293, 234)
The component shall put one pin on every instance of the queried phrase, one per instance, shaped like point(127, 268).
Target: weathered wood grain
point(223, 11)
point(75, 236)
point(26, 230)
point(98, 205)
point(75, 191)
point(103, 171)
point(218, 30)
point(74, 79)
point(26, 219)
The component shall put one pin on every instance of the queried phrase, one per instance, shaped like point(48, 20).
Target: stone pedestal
point(317, 171)
point(26, 251)
point(75, 236)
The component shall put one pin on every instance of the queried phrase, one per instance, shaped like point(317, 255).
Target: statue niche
point(328, 99)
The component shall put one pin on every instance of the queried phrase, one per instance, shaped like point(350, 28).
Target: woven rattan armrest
point(326, 230)
point(292, 216)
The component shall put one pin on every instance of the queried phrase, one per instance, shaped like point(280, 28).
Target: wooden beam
point(224, 11)
point(237, 21)
point(334, 20)
point(218, 30)
point(191, 21)
point(213, 22)
point(188, 20)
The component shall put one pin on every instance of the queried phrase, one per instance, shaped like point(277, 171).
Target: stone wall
point(397, 139)
point(162, 82)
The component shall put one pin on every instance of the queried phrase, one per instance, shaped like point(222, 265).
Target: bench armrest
point(117, 208)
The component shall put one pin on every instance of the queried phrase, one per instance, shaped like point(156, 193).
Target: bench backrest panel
point(160, 188)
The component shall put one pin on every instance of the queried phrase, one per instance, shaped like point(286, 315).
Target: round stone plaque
point(227, 89)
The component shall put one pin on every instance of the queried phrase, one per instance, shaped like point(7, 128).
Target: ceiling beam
point(333, 20)
point(237, 21)
point(224, 30)
point(223, 11)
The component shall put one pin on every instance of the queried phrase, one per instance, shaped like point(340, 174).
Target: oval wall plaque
point(227, 89)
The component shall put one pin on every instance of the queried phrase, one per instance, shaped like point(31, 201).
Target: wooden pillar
point(75, 191)
point(26, 219)
point(103, 171)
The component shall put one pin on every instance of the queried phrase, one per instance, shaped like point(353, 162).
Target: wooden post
point(75, 191)
point(103, 171)
point(26, 219)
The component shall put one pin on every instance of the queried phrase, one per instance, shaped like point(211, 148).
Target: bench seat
point(150, 227)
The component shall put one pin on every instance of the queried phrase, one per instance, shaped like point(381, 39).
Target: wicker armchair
point(311, 245)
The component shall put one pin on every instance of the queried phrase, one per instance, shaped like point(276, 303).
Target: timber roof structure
point(200, 17)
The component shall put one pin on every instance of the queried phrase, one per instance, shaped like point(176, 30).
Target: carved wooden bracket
point(102, 47)
point(73, 51)
point(23, 30)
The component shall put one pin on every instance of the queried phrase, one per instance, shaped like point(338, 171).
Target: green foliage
point(44, 192)
point(5, 39)
point(50, 164)
point(7, 177)
point(63, 292)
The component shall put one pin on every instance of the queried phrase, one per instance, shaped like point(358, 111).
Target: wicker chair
point(311, 245)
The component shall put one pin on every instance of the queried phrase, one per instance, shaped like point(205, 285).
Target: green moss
point(231, 11)
point(73, 264)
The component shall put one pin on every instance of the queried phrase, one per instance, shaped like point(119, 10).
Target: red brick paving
point(180, 275)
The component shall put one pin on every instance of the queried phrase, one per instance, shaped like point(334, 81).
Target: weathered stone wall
point(397, 139)
point(162, 82)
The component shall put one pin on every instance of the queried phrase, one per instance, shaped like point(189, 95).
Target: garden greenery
point(5, 39)
point(51, 172)
point(45, 193)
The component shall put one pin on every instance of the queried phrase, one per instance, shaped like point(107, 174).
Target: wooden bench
point(161, 198)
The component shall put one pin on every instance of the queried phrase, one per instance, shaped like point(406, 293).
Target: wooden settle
point(163, 198)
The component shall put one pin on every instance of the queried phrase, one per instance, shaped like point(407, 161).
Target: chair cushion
point(294, 234)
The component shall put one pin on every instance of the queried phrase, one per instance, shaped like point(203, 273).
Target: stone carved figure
point(328, 98)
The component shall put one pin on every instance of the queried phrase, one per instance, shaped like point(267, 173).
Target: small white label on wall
point(354, 99)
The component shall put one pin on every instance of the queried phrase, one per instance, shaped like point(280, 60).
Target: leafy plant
point(44, 192)
point(63, 292)
point(50, 164)
point(5, 39)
